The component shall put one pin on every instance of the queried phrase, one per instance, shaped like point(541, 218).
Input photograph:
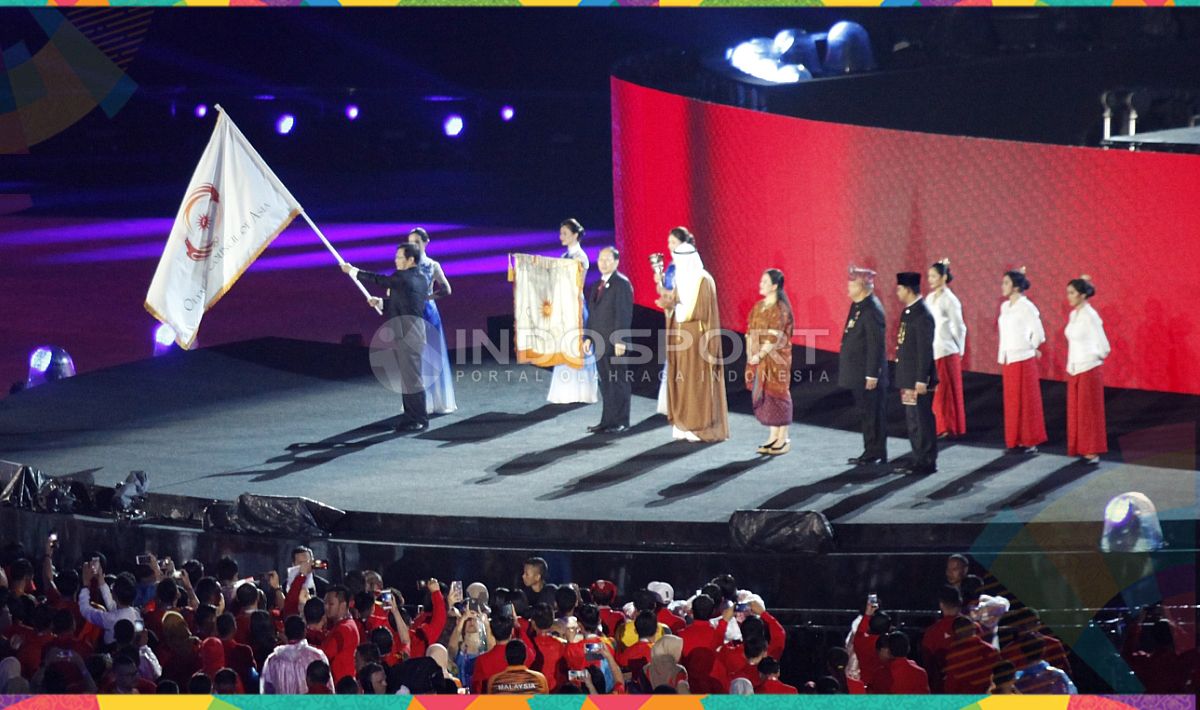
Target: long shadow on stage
point(527, 463)
point(856, 476)
point(627, 469)
point(322, 452)
point(1037, 492)
point(494, 425)
point(965, 483)
point(705, 481)
point(861, 500)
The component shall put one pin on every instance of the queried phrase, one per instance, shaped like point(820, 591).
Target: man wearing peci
point(916, 374)
point(610, 316)
point(404, 308)
point(862, 364)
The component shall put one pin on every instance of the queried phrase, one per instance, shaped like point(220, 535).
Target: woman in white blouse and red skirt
point(949, 344)
point(1087, 347)
point(1021, 334)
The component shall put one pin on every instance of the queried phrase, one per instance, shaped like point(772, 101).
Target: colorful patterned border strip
point(602, 702)
point(599, 3)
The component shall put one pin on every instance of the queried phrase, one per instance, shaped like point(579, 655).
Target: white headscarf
point(741, 686)
point(10, 668)
point(441, 655)
point(689, 273)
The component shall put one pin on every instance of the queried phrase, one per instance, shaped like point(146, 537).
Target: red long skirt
point(948, 407)
point(1024, 422)
point(1086, 433)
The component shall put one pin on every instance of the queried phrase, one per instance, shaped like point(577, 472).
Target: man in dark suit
point(404, 308)
point(610, 316)
point(862, 364)
point(916, 374)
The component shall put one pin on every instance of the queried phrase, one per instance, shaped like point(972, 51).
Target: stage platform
point(293, 418)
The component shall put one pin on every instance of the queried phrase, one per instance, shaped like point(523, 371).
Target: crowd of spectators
point(161, 627)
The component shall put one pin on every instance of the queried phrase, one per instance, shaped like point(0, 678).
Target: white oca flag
point(234, 208)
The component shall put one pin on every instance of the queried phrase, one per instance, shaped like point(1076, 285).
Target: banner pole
point(336, 255)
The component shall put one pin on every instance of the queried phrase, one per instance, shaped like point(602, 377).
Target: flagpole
point(336, 255)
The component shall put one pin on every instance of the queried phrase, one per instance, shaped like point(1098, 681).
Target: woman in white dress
point(1087, 347)
point(1021, 333)
point(436, 374)
point(567, 384)
point(949, 344)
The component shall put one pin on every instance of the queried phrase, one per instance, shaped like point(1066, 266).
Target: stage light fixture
point(284, 125)
point(760, 58)
point(802, 51)
point(507, 113)
point(352, 112)
point(201, 110)
point(453, 125)
point(49, 363)
point(849, 49)
point(784, 39)
point(1131, 524)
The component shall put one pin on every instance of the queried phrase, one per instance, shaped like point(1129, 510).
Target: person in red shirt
point(769, 683)
point(590, 648)
point(238, 656)
point(776, 635)
point(549, 650)
point(706, 674)
point(246, 598)
point(755, 650)
point(314, 622)
point(605, 594)
point(61, 590)
point(1160, 669)
point(317, 677)
point(899, 675)
point(969, 661)
point(733, 654)
point(33, 642)
point(495, 661)
point(701, 633)
point(1022, 625)
point(634, 659)
point(166, 596)
point(342, 637)
point(873, 626)
point(940, 636)
point(666, 595)
point(427, 628)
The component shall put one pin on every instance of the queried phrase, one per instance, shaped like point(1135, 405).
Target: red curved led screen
point(761, 190)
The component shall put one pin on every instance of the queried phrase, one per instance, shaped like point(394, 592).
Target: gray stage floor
point(215, 424)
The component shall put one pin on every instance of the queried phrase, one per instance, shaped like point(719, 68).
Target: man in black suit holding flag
point(404, 307)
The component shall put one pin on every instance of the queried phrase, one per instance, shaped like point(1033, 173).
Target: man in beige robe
point(696, 405)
